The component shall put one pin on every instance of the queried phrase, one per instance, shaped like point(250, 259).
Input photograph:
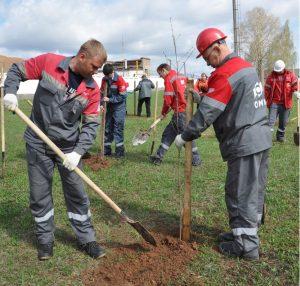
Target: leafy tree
point(282, 48)
point(257, 33)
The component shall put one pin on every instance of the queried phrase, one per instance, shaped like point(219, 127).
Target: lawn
point(150, 194)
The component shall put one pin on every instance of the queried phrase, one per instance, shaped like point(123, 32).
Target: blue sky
point(31, 27)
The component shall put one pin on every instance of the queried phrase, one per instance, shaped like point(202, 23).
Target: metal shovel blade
point(139, 228)
point(140, 138)
point(142, 231)
point(296, 137)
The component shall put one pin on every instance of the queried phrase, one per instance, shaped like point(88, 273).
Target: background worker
point(116, 110)
point(236, 107)
point(144, 87)
point(201, 84)
point(200, 88)
point(174, 99)
point(279, 88)
point(65, 96)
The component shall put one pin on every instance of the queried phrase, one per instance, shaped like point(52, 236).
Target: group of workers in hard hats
point(233, 102)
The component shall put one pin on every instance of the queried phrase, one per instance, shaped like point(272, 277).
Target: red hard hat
point(207, 37)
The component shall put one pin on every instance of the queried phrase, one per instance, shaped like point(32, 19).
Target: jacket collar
point(64, 65)
point(227, 58)
point(114, 78)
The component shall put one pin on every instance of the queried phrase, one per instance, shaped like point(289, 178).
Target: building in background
point(132, 68)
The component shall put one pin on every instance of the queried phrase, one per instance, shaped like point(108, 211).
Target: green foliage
point(282, 47)
point(149, 193)
point(264, 40)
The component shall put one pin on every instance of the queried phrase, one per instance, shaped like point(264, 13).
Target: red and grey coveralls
point(59, 117)
point(279, 90)
point(236, 106)
point(174, 99)
point(115, 113)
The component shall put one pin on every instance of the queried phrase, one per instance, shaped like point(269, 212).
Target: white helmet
point(279, 66)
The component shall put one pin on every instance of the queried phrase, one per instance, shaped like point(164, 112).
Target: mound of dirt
point(143, 264)
point(96, 162)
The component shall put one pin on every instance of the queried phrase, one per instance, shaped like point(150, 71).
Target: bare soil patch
point(143, 264)
point(96, 162)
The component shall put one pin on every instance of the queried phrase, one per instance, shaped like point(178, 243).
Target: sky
point(128, 29)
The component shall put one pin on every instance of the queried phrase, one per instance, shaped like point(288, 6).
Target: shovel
point(296, 134)
point(135, 224)
point(143, 136)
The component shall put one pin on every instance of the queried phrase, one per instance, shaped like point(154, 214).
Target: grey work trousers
point(175, 127)
point(40, 172)
point(278, 110)
point(245, 194)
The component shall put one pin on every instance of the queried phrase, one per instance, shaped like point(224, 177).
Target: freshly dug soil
point(143, 264)
point(95, 162)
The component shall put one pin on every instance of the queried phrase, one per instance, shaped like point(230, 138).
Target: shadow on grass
point(158, 221)
point(143, 155)
point(17, 222)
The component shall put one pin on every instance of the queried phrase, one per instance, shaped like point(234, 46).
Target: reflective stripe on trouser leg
point(119, 123)
point(40, 172)
point(242, 185)
point(77, 204)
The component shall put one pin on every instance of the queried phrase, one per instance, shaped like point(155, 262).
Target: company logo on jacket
point(259, 100)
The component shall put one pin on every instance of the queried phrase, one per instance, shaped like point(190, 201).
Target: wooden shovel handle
point(155, 123)
point(59, 153)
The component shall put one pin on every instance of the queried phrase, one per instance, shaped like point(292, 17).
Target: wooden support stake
point(186, 213)
point(2, 130)
point(103, 122)
point(134, 99)
point(155, 117)
point(29, 102)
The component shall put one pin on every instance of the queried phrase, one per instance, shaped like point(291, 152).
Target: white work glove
point(179, 142)
point(10, 101)
point(71, 161)
point(297, 94)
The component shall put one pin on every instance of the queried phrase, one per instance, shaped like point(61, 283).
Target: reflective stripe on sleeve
point(214, 103)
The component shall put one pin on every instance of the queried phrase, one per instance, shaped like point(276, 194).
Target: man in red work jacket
point(279, 88)
point(66, 108)
point(236, 107)
point(200, 88)
point(173, 99)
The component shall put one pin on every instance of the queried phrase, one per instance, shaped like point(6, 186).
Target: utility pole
point(123, 55)
point(235, 27)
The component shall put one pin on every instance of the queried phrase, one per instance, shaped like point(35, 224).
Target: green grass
point(150, 194)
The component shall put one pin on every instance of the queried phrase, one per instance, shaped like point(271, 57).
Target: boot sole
point(43, 258)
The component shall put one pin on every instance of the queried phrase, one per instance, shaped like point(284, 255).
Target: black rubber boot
point(226, 236)
point(196, 161)
point(155, 160)
point(233, 249)
point(93, 249)
point(120, 152)
point(45, 251)
point(107, 151)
